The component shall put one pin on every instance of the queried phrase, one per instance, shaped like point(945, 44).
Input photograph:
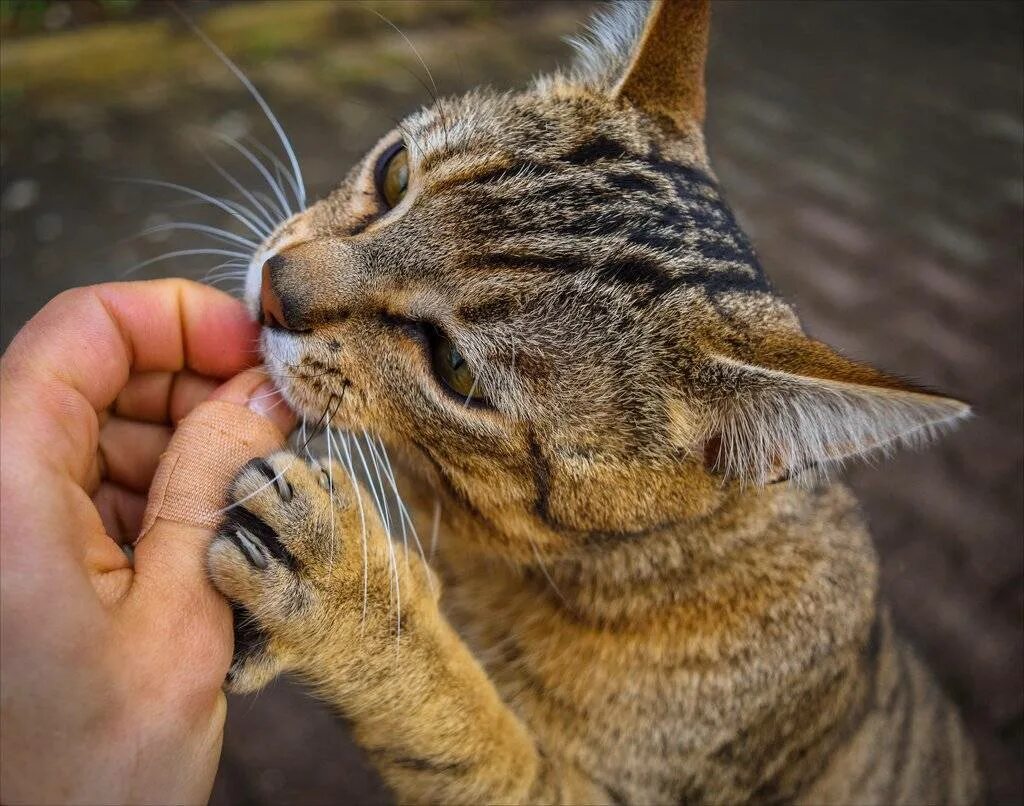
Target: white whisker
point(267, 215)
point(180, 253)
point(435, 525)
point(406, 518)
point(383, 490)
point(280, 170)
point(259, 166)
point(362, 515)
point(430, 75)
point(214, 232)
point(544, 568)
point(469, 396)
point(330, 482)
point(373, 488)
point(255, 93)
point(231, 208)
point(257, 491)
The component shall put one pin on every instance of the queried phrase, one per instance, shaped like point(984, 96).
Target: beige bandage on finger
point(204, 455)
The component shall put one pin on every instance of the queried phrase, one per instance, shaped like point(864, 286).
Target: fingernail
point(266, 400)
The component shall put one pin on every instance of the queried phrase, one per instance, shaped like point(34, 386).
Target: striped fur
point(644, 589)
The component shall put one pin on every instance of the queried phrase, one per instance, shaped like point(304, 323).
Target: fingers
point(188, 492)
point(163, 397)
point(210, 445)
point(121, 512)
point(74, 357)
point(92, 338)
point(131, 450)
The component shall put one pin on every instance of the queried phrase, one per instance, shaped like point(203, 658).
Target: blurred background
point(872, 150)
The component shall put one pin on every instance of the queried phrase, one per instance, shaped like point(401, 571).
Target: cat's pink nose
point(272, 312)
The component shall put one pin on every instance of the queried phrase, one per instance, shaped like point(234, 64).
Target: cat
point(646, 590)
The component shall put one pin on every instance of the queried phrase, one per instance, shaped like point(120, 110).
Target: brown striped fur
point(645, 589)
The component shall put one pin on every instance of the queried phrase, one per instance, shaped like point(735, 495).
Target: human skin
point(111, 689)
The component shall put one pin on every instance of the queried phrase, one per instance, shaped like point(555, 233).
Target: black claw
point(284, 489)
point(257, 529)
point(263, 466)
point(250, 547)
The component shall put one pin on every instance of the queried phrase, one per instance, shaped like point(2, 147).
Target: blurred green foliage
point(32, 16)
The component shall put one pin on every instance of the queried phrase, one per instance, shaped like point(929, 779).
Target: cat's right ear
point(655, 61)
point(665, 77)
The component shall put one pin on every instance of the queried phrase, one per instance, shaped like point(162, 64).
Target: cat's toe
point(254, 662)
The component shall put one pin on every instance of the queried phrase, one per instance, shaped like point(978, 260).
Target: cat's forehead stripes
point(543, 195)
point(608, 207)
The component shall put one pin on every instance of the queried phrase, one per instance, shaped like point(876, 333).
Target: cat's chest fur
point(650, 665)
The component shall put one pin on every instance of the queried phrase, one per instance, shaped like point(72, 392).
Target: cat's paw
point(297, 542)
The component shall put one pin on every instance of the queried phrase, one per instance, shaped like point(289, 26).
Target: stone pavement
point(874, 153)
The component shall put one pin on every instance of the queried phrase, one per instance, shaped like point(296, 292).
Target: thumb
point(243, 419)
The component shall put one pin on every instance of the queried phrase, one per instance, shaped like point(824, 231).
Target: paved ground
point(872, 150)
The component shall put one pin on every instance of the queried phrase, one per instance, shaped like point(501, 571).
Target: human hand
point(112, 671)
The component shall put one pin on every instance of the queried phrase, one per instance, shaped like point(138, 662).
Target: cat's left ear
point(796, 405)
point(665, 74)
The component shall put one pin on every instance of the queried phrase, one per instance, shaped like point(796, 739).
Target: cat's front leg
point(320, 591)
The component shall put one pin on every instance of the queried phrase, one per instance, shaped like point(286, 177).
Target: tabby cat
point(644, 589)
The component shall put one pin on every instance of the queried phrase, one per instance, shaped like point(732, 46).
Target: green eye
point(393, 175)
point(453, 370)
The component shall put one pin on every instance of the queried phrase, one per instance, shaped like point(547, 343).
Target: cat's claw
point(284, 531)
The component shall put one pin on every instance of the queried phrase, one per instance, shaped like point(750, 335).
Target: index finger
point(75, 356)
point(92, 338)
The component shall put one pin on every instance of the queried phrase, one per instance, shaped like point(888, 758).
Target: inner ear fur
point(799, 408)
point(665, 76)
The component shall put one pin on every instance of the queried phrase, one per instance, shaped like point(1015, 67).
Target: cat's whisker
point(258, 490)
point(433, 94)
point(406, 518)
point(217, 282)
point(213, 232)
point(265, 395)
point(330, 482)
point(241, 209)
point(472, 388)
point(362, 520)
point(180, 253)
point(233, 209)
point(375, 459)
point(381, 460)
point(409, 135)
point(263, 197)
point(280, 169)
point(223, 280)
point(304, 440)
point(220, 276)
point(285, 209)
point(271, 217)
point(255, 93)
point(434, 526)
point(544, 568)
point(382, 509)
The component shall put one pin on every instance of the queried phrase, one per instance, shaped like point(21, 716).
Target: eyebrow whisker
point(257, 97)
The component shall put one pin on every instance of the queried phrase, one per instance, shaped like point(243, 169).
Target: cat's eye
point(453, 370)
point(392, 175)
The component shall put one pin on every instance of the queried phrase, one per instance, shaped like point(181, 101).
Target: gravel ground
point(874, 152)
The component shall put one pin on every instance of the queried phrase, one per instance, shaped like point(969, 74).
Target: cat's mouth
point(306, 387)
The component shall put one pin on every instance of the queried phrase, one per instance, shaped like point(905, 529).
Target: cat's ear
point(650, 54)
point(665, 75)
point(799, 406)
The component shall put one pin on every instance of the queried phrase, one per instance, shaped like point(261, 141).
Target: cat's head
point(543, 298)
